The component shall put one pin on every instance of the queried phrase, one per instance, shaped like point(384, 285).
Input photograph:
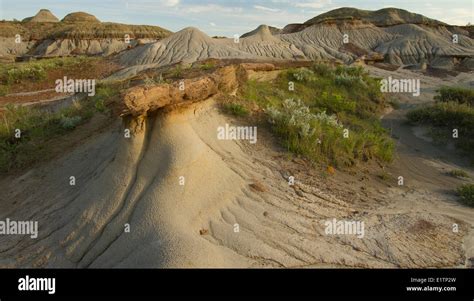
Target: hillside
point(383, 17)
point(392, 36)
point(76, 33)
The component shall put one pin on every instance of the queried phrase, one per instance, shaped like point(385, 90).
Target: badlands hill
point(273, 30)
point(44, 15)
point(77, 33)
point(393, 36)
point(79, 17)
point(383, 17)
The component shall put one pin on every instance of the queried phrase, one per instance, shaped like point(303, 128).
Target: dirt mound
point(263, 43)
point(44, 15)
point(80, 17)
point(187, 46)
point(258, 30)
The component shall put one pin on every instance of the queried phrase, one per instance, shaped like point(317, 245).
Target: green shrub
point(37, 129)
point(302, 123)
point(36, 70)
point(235, 109)
point(455, 94)
point(446, 116)
point(4, 90)
point(207, 66)
point(69, 123)
point(466, 194)
point(33, 73)
point(458, 173)
point(102, 94)
point(303, 75)
point(320, 136)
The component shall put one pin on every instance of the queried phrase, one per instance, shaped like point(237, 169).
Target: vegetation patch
point(456, 94)
point(466, 194)
point(451, 119)
point(26, 133)
point(235, 109)
point(458, 173)
point(328, 114)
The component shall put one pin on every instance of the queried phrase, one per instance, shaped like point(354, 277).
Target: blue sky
point(228, 17)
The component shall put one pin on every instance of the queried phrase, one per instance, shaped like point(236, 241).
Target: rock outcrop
point(140, 100)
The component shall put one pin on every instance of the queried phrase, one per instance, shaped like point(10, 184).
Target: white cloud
point(313, 4)
point(170, 3)
point(212, 24)
point(274, 10)
point(211, 8)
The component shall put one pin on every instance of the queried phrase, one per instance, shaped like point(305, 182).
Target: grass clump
point(466, 194)
point(458, 173)
point(103, 94)
point(330, 116)
point(235, 109)
point(4, 90)
point(35, 70)
point(455, 94)
point(207, 66)
point(452, 111)
point(38, 127)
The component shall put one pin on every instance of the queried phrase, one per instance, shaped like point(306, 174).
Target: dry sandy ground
point(228, 184)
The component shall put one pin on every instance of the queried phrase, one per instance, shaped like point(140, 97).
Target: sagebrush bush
point(69, 123)
point(303, 75)
point(313, 123)
point(320, 136)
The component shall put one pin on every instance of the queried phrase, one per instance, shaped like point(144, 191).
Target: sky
point(227, 18)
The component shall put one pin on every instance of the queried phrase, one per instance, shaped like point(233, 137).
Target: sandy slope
point(136, 181)
point(423, 164)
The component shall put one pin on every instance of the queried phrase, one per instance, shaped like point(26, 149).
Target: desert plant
point(466, 194)
point(303, 75)
point(311, 124)
point(69, 123)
